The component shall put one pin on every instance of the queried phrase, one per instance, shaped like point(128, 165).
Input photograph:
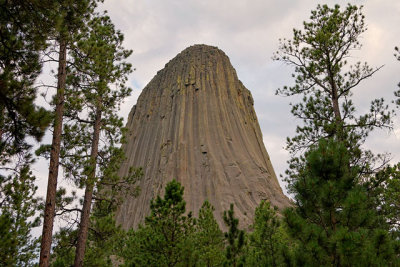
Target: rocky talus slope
point(195, 122)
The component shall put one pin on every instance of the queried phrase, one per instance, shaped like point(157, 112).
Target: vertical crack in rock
point(195, 122)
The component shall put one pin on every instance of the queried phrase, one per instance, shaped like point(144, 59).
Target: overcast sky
point(248, 32)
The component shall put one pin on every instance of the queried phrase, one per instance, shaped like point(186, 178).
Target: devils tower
point(195, 122)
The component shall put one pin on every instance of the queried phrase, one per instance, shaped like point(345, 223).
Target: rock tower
point(195, 122)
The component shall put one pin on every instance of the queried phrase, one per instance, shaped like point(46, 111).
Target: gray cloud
point(248, 32)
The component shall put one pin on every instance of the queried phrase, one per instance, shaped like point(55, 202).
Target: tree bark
point(336, 110)
point(49, 211)
point(335, 103)
point(335, 100)
point(87, 201)
point(1, 122)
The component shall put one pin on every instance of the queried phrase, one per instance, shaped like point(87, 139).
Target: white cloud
point(248, 32)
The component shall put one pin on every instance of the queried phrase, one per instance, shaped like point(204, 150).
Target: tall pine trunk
point(87, 201)
point(2, 111)
point(49, 211)
point(335, 101)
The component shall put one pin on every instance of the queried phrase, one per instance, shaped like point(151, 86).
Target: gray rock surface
point(195, 122)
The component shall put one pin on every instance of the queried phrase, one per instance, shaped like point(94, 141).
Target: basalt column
point(195, 122)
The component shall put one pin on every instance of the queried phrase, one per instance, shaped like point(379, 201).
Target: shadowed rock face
point(195, 122)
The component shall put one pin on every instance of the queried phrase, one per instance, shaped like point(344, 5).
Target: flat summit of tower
point(199, 49)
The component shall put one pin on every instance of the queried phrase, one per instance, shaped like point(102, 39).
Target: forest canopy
point(345, 208)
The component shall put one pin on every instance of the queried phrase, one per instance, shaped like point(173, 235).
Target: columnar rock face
point(195, 122)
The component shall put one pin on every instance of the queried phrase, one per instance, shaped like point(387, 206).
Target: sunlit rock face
point(195, 122)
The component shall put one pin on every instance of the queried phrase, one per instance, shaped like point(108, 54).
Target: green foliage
point(70, 18)
point(208, 238)
point(397, 55)
point(64, 247)
point(99, 74)
point(18, 208)
point(344, 206)
point(385, 190)
point(235, 238)
point(166, 238)
point(269, 243)
point(96, 84)
point(106, 238)
point(91, 154)
point(333, 221)
point(397, 93)
point(24, 27)
point(325, 79)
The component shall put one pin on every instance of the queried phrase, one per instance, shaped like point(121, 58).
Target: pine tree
point(391, 193)
point(338, 218)
point(166, 239)
point(18, 215)
point(208, 239)
point(235, 239)
point(333, 222)
point(397, 93)
point(105, 238)
point(320, 54)
point(24, 28)
point(95, 89)
point(268, 243)
point(386, 194)
point(64, 247)
point(71, 16)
